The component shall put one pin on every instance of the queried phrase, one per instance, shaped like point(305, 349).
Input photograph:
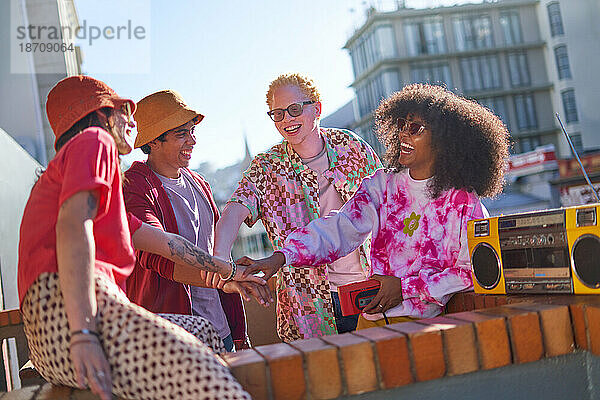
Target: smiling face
point(416, 153)
point(124, 126)
point(166, 158)
point(302, 132)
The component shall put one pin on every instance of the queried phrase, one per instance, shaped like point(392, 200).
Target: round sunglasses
point(294, 109)
point(413, 128)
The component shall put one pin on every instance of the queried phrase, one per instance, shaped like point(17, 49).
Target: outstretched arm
point(328, 238)
point(268, 265)
point(336, 235)
point(226, 232)
point(190, 261)
point(227, 228)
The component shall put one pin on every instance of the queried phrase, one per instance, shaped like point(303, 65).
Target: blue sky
point(221, 56)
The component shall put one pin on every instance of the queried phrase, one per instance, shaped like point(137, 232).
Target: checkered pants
point(149, 357)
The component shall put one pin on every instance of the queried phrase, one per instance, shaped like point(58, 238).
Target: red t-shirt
point(89, 161)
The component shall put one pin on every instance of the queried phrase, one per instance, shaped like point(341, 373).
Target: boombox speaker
point(551, 251)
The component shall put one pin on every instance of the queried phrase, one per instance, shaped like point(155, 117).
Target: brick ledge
point(478, 332)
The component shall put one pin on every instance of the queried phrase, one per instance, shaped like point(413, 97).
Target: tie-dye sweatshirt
point(421, 240)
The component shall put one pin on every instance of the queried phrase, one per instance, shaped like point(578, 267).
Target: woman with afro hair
point(444, 152)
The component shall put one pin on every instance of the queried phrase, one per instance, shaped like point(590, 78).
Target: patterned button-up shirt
point(279, 189)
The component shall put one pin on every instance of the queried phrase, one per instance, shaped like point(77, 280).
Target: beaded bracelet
point(85, 332)
point(232, 273)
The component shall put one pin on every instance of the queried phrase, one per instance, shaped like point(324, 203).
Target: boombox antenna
point(587, 178)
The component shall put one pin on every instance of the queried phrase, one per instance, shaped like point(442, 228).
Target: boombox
point(552, 251)
point(355, 296)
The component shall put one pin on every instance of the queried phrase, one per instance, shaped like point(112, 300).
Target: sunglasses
point(127, 110)
point(413, 128)
point(294, 109)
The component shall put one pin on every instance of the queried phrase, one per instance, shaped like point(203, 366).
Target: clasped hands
point(388, 296)
point(246, 284)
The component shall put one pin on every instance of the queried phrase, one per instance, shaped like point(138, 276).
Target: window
point(371, 92)
point(556, 25)
point(266, 243)
point(577, 142)
point(511, 28)
point(525, 111)
point(562, 62)
point(356, 60)
point(497, 105)
point(425, 37)
point(529, 143)
point(373, 47)
point(431, 73)
point(369, 95)
point(385, 41)
point(569, 105)
point(473, 32)
point(252, 243)
point(480, 73)
point(518, 69)
point(367, 132)
point(391, 81)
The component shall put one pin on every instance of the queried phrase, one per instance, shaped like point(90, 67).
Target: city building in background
point(571, 184)
point(524, 59)
point(344, 117)
point(23, 100)
point(528, 183)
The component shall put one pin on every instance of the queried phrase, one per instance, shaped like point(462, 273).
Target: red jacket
point(151, 284)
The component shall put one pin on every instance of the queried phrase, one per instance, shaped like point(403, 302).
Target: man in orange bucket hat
point(164, 192)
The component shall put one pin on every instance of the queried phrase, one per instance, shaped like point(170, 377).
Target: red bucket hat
point(74, 97)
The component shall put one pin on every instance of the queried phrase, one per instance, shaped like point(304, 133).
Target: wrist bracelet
point(83, 340)
point(232, 273)
point(85, 332)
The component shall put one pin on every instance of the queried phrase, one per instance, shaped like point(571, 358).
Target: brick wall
point(477, 333)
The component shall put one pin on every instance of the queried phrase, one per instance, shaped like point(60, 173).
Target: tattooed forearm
point(189, 254)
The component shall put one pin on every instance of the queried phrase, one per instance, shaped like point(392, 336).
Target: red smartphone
point(355, 296)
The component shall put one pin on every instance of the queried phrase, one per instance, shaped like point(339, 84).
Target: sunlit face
point(124, 126)
point(176, 151)
point(416, 153)
point(296, 130)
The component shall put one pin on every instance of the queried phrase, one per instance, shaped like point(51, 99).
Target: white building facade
point(524, 59)
point(24, 91)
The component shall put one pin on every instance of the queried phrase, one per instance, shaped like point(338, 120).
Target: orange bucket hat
point(74, 97)
point(160, 112)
